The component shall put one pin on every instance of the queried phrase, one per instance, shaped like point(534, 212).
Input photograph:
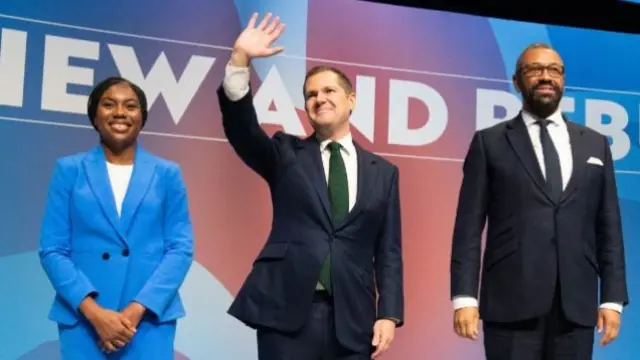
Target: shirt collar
point(346, 142)
point(555, 118)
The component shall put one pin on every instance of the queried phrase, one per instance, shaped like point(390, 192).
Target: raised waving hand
point(257, 41)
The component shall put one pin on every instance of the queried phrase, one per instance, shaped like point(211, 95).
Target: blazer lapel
point(141, 178)
point(520, 141)
point(95, 166)
point(579, 151)
point(309, 156)
point(367, 176)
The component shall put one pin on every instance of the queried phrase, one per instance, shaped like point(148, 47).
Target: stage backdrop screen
point(425, 81)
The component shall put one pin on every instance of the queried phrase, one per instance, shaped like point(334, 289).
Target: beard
point(542, 105)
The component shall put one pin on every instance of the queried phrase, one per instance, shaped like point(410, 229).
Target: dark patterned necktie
point(551, 161)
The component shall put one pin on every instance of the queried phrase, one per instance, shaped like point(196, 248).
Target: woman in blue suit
point(116, 239)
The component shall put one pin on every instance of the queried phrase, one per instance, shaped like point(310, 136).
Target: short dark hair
point(102, 87)
point(538, 45)
point(345, 83)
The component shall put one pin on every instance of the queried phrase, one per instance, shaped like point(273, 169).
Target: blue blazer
point(86, 249)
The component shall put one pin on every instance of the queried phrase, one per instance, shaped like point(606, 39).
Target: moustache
point(542, 83)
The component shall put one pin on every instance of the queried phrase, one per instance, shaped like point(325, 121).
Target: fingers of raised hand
point(265, 21)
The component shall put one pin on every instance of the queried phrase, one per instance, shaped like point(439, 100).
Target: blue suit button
point(105, 256)
point(125, 252)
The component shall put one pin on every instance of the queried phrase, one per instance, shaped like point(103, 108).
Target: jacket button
point(125, 252)
point(105, 256)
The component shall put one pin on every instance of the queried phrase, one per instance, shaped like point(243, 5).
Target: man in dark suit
point(547, 188)
point(335, 237)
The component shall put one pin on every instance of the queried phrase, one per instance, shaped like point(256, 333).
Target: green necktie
point(339, 196)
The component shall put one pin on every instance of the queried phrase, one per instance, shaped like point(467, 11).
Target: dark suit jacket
point(531, 240)
point(365, 247)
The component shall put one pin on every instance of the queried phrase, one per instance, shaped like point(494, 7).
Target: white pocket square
point(595, 161)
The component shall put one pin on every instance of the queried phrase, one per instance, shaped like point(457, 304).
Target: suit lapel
point(520, 141)
point(579, 153)
point(141, 178)
point(367, 176)
point(95, 166)
point(309, 156)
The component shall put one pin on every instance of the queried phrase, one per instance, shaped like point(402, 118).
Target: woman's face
point(119, 116)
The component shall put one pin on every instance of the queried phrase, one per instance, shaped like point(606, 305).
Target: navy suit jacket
point(365, 248)
point(86, 249)
point(532, 240)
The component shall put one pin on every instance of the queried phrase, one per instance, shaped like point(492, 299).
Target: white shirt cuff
point(460, 302)
point(236, 82)
point(612, 306)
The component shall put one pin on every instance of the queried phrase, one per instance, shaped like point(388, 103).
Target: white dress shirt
point(559, 134)
point(236, 86)
point(119, 176)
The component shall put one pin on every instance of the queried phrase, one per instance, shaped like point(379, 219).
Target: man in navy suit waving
point(328, 282)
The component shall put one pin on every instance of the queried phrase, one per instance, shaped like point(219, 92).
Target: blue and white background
point(425, 80)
